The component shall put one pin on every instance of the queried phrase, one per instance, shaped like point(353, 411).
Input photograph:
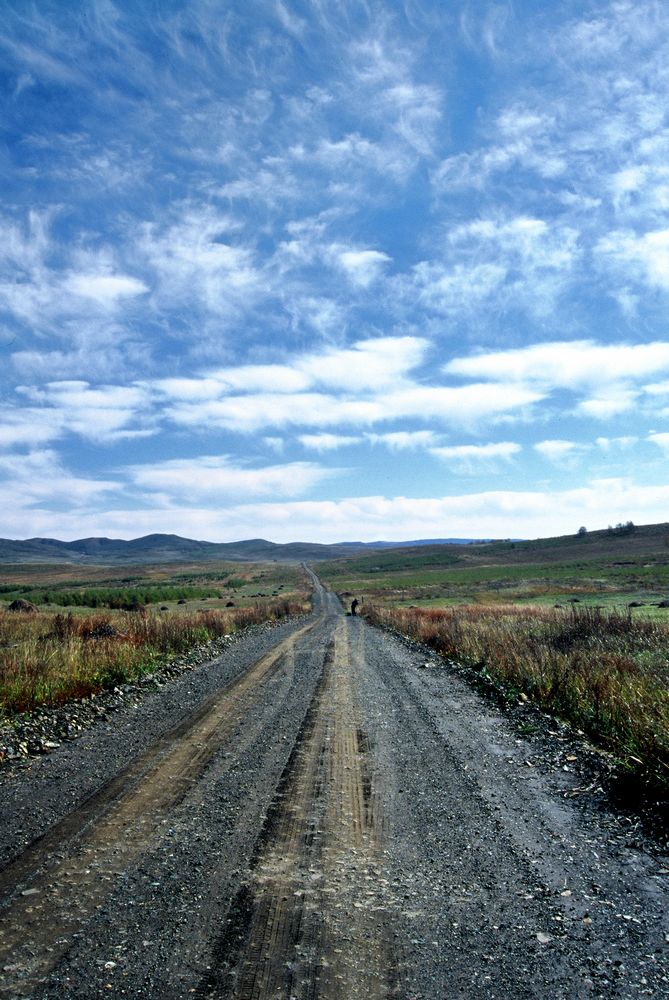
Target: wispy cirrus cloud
point(474, 458)
point(340, 228)
point(199, 259)
point(98, 413)
point(559, 451)
point(219, 477)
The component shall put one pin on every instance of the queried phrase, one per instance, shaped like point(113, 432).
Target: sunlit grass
point(605, 671)
point(50, 659)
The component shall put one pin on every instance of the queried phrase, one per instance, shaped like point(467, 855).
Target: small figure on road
point(354, 604)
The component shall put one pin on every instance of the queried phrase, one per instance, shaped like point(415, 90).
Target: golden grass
point(50, 659)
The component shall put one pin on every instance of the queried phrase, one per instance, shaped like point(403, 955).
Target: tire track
point(65, 876)
point(314, 921)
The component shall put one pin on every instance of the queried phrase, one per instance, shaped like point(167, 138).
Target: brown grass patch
point(50, 659)
point(606, 672)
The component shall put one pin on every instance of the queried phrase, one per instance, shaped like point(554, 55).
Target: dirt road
point(320, 814)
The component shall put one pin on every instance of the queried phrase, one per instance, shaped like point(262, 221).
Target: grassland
point(574, 624)
point(67, 648)
point(597, 569)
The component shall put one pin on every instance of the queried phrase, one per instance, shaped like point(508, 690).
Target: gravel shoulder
point(322, 811)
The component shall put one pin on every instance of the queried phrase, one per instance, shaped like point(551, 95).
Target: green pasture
point(602, 582)
point(177, 588)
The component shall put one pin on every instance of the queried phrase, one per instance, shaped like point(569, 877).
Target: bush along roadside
point(42, 730)
point(606, 673)
point(53, 659)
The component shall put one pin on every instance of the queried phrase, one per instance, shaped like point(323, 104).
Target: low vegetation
point(65, 647)
point(607, 672)
point(50, 659)
point(622, 564)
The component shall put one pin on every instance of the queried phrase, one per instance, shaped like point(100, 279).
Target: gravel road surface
point(324, 811)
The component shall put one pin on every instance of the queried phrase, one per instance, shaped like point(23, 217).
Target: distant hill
point(416, 543)
point(620, 546)
point(173, 548)
point(161, 548)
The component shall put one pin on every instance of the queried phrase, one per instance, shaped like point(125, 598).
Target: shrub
point(607, 672)
point(47, 659)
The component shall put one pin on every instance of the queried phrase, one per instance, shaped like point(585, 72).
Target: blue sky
point(304, 270)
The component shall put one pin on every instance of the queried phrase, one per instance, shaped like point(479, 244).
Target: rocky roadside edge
point(597, 778)
point(30, 735)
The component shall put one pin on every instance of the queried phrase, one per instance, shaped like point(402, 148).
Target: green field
point(599, 568)
point(72, 587)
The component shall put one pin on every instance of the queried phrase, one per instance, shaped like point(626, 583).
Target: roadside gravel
point(512, 887)
point(56, 757)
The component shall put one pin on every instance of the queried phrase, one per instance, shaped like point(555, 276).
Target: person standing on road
point(354, 604)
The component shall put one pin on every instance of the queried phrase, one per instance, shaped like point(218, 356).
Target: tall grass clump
point(50, 659)
point(605, 671)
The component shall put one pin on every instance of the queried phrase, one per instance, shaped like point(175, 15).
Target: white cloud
point(38, 479)
point(567, 364)
point(94, 347)
point(661, 439)
point(276, 444)
point(259, 378)
point(382, 70)
point(370, 364)
point(456, 289)
point(404, 440)
point(105, 413)
point(197, 259)
point(105, 289)
point(362, 370)
point(27, 426)
point(533, 241)
point(487, 514)
point(458, 406)
point(325, 316)
point(624, 442)
point(657, 388)
point(557, 451)
point(246, 414)
point(521, 262)
point(216, 476)
point(535, 153)
point(363, 266)
point(326, 442)
point(610, 403)
point(293, 24)
point(472, 458)
point(356, 153)
point(647, 255)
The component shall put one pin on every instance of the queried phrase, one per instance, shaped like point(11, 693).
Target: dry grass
point(49, 659)
point(607, 672)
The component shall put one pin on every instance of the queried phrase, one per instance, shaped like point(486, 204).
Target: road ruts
point(345, 818)
point(315, 920)
point(64, 877)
